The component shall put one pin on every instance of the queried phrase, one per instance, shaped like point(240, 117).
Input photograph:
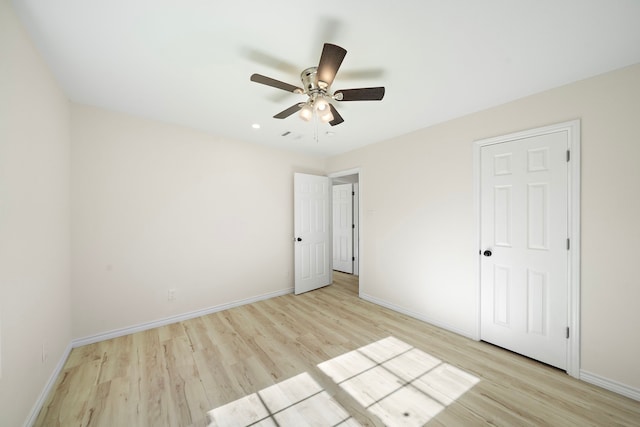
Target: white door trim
point(356, 232)
point(356, 171)
point(573, 220)
point(343, 227)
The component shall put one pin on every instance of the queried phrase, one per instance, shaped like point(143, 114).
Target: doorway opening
point(345, 223)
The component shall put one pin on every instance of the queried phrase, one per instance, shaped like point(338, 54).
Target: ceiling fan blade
point(289, 111)
point(337, 118)
point(259, 78)
point(361, 94)
point(270, 61)
point(330, 61)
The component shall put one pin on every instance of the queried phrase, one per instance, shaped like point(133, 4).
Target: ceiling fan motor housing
point(310, 81)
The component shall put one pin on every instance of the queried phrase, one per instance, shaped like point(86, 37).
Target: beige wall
point(34, 222)
point(419, 232)
point(158, 207)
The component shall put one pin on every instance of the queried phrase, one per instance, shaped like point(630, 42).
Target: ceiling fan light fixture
point(321, 104)
point(306, 112)
point(326, 117)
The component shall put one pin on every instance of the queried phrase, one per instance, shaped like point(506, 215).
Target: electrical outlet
point(171, 295)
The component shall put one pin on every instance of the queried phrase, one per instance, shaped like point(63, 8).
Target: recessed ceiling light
point(255, 126)
point(329, 133)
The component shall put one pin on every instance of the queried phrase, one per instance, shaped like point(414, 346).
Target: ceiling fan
point(316, 82)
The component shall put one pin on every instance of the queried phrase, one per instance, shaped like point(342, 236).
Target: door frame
point(354, 171)
point(352, 222)
point(573, 221)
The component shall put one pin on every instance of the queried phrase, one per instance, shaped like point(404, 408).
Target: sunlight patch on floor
point(401, 385)
point(299, 401)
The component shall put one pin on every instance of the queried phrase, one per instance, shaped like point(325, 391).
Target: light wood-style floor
point(174, 375)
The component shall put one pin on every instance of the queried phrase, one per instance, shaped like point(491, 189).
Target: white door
point(524, 259)
point(356, 229)
point(311, 227)
point(343, 228)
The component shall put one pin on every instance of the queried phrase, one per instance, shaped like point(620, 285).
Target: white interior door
point(356, 229)
point(343, 228)
point(312, 232)
point(524, 238)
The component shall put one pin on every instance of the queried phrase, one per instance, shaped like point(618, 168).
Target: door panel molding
point(537, 160)
point(312, 232)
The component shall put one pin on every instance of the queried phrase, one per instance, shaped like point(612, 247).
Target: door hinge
point(353, 226)
point(353, 258)
point(568, 155)
point(567, 332)
point(568, 244)
point(353, 193)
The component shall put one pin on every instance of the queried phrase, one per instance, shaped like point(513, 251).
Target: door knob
point(487, 253)
point(299, 239)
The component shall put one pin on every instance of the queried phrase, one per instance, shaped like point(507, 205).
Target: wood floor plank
point(62, 408)
point(216, 381)
point(175, 374)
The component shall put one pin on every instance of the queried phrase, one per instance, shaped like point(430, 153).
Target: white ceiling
point(189, 62)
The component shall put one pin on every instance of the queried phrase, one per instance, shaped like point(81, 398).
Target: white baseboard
point(79, 342)
point(37, 407)
point(418, 316)
point(608, 384)
point(611, 385)
point(594, 379)
point(35, 410)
